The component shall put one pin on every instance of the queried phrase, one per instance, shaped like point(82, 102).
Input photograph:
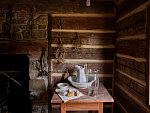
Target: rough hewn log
point(132, 72)
point(134, 87)
point(104, 68)
point(87, 38)
point(126, 98)
point(131, 57)
point(71, 35)
point(91, 53)
point(75, 6)
point(84, 31)
point(132, 25)
point(139, 66)
point(96, 15)
point(137, 53)
point(83, 23)
point(132, 44)
point(134, 37)
point(127, 5)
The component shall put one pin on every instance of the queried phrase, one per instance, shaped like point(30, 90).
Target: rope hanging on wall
point(77, 42)
point(60, 51)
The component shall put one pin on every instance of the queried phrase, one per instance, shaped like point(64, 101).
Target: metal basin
point(72, 80)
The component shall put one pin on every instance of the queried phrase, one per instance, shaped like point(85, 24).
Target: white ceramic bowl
point(72, 80)
point(62, 85)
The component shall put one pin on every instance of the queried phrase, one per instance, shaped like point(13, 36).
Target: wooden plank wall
point(130, 73)
point(95, 29)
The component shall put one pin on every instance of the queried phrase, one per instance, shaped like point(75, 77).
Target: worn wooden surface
point(103, 96)
point(131, 46)
point(85, 102)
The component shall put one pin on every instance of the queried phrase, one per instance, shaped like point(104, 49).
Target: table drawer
point(81, 106)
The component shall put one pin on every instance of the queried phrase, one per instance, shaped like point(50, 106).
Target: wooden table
point(85, 103)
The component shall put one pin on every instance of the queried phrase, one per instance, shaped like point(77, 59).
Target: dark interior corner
point(14, 85)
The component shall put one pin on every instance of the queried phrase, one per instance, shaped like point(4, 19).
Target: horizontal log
point(107, 81)
point(75, 6)
point(31, 48)
point(89, 56)
point(103, 67)
point(134, 73)
point(96, 15)
point(83, 23)
point(84, 46)
point(83, 53)
point(133, 52)
point(130, 76)
point(87, 39)
point(131, 58)
point(140, 8)
point(72, 35)
point(99, 75)
point(130, 85)
point(134, 48)
point(133, 25)
point(134, 37)
point(133, 64)
point(132, 44)
point(84, 31)
point(80, 53)
point(84, 61)
point(126, 98)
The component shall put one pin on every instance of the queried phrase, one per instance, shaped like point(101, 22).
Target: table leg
point(100, 107)
point(63, 108)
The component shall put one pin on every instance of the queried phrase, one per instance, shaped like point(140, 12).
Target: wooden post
point(148, 56)
point(100, 107)
point(63, 108)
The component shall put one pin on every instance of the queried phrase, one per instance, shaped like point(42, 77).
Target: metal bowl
point(62, 85)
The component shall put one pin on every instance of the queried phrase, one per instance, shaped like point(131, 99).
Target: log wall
point(131, 56)
point(94, 25)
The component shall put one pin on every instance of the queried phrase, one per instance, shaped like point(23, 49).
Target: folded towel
point(63, 93)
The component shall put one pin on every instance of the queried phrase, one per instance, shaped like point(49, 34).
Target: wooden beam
point(134, 37)
point(148, 56)
point(99, 75)
point(84, 46)
point(131, 57)
point(83, 61)
point(138, 9)
point(130, 76)
point(84, 31)
point(82, 15)
point(133, 97)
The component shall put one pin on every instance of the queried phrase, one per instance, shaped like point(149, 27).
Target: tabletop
point(103, 96)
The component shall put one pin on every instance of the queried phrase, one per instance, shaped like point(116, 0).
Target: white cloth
point(63, 93)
